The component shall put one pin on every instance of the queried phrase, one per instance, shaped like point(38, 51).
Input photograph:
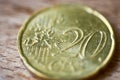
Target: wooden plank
point(14, 12)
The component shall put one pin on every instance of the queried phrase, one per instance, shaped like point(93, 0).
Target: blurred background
point(14, 12)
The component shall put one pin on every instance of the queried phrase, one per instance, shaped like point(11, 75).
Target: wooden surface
point(14, 12)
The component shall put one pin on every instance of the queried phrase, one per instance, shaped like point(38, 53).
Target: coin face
point(66, 42)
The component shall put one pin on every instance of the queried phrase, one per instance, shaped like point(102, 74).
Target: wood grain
point(14, 12)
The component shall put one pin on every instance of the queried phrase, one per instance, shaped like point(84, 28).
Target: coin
point(66, 42)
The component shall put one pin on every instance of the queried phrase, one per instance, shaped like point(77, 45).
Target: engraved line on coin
point(47, 55)
point(39, 55)
point(36, 52)
point(43, 54)
point(32, 50)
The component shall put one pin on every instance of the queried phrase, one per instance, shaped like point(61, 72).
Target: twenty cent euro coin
point(66, 42)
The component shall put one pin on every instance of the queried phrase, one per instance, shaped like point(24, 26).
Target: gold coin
point(66, 42)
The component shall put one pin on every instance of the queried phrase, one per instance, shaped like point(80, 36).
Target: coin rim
point(95, 13)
